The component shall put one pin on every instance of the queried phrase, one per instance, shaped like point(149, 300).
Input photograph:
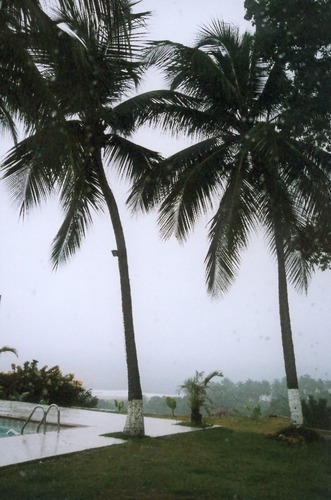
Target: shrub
point(316, 413)
point(44, 385)
point(119, 405)
point(172, 404)
point(196, 391)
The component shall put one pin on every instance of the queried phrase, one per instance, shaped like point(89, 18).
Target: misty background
point(72, 317)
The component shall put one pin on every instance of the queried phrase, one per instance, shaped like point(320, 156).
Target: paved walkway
point(88, 425)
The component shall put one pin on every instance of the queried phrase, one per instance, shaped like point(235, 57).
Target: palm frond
point(24, 93)
point(6, 119)
point(298, 269)
point(160, 108)
point(282, 204)
point(154, 185)
point(219, 34)
point(6, 348)
point(194, 176)
point(272, 86)
point(149, 189)
point(114, 13)
point(26, 172)
point(236, 217)
point(80, 194)
point(124, 29)
point(129, 159)
point(211, 375)
point(72, 231)
point(91, 62)
point(194, 72)
point(310, 169)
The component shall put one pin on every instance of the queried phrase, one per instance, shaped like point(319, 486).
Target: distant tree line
point(271, 397)
point(250, 398)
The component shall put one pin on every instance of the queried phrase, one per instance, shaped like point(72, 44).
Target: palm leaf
point(8, 349)
point(76, 222)
point(211, 375)
point(28, 177)
point(125, 29)
point(193, 71)
point(272, 87)
point(6, 118)
point(194, 176)
point(129, 159)
point(281, 205)
point(24, 93)
point(236, 217)
point(163, 108)
point(298, 269)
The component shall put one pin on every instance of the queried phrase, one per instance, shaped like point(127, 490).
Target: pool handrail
point(43, 420)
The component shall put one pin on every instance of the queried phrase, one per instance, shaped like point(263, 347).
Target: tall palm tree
point(245, 166)
point(91, 63)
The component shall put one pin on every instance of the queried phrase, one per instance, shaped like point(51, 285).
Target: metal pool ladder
point(44, 418)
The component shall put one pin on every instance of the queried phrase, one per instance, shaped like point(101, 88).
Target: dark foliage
point(314, 240)
point(44, 385)
point(298, 33)
point(316, 413)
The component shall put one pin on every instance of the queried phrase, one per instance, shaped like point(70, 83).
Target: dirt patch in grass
point(296, 435)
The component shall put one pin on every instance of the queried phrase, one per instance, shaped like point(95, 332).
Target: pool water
point(5, 432)
point(12, 427)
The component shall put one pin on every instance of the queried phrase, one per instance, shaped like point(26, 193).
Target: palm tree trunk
point(286, 331)
point(134, 425)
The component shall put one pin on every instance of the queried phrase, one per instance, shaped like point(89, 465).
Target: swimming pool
point(10, 427)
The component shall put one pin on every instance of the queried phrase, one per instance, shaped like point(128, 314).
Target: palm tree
point(91, 63)
point(245, 166)
point(196, 391)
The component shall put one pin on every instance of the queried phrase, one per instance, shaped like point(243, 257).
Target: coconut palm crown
point(23, 93)
point(244, 166)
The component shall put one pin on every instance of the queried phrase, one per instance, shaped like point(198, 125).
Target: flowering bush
point(44, 385)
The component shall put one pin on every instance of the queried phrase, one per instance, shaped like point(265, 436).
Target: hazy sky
point(72, 317)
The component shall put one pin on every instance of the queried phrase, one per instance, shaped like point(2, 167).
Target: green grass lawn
point(229, 463)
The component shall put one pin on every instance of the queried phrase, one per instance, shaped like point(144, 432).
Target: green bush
point(172, 404)
point(44, 385)
point(316, 413)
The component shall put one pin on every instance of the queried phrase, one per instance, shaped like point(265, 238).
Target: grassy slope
point(213, 463)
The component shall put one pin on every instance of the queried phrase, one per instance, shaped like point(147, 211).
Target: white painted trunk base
point(294, 402)
point(134, 425)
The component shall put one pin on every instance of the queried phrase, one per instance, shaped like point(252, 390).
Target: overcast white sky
point(72, 317)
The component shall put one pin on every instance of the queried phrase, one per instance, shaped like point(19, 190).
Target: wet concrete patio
point(85, 433)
